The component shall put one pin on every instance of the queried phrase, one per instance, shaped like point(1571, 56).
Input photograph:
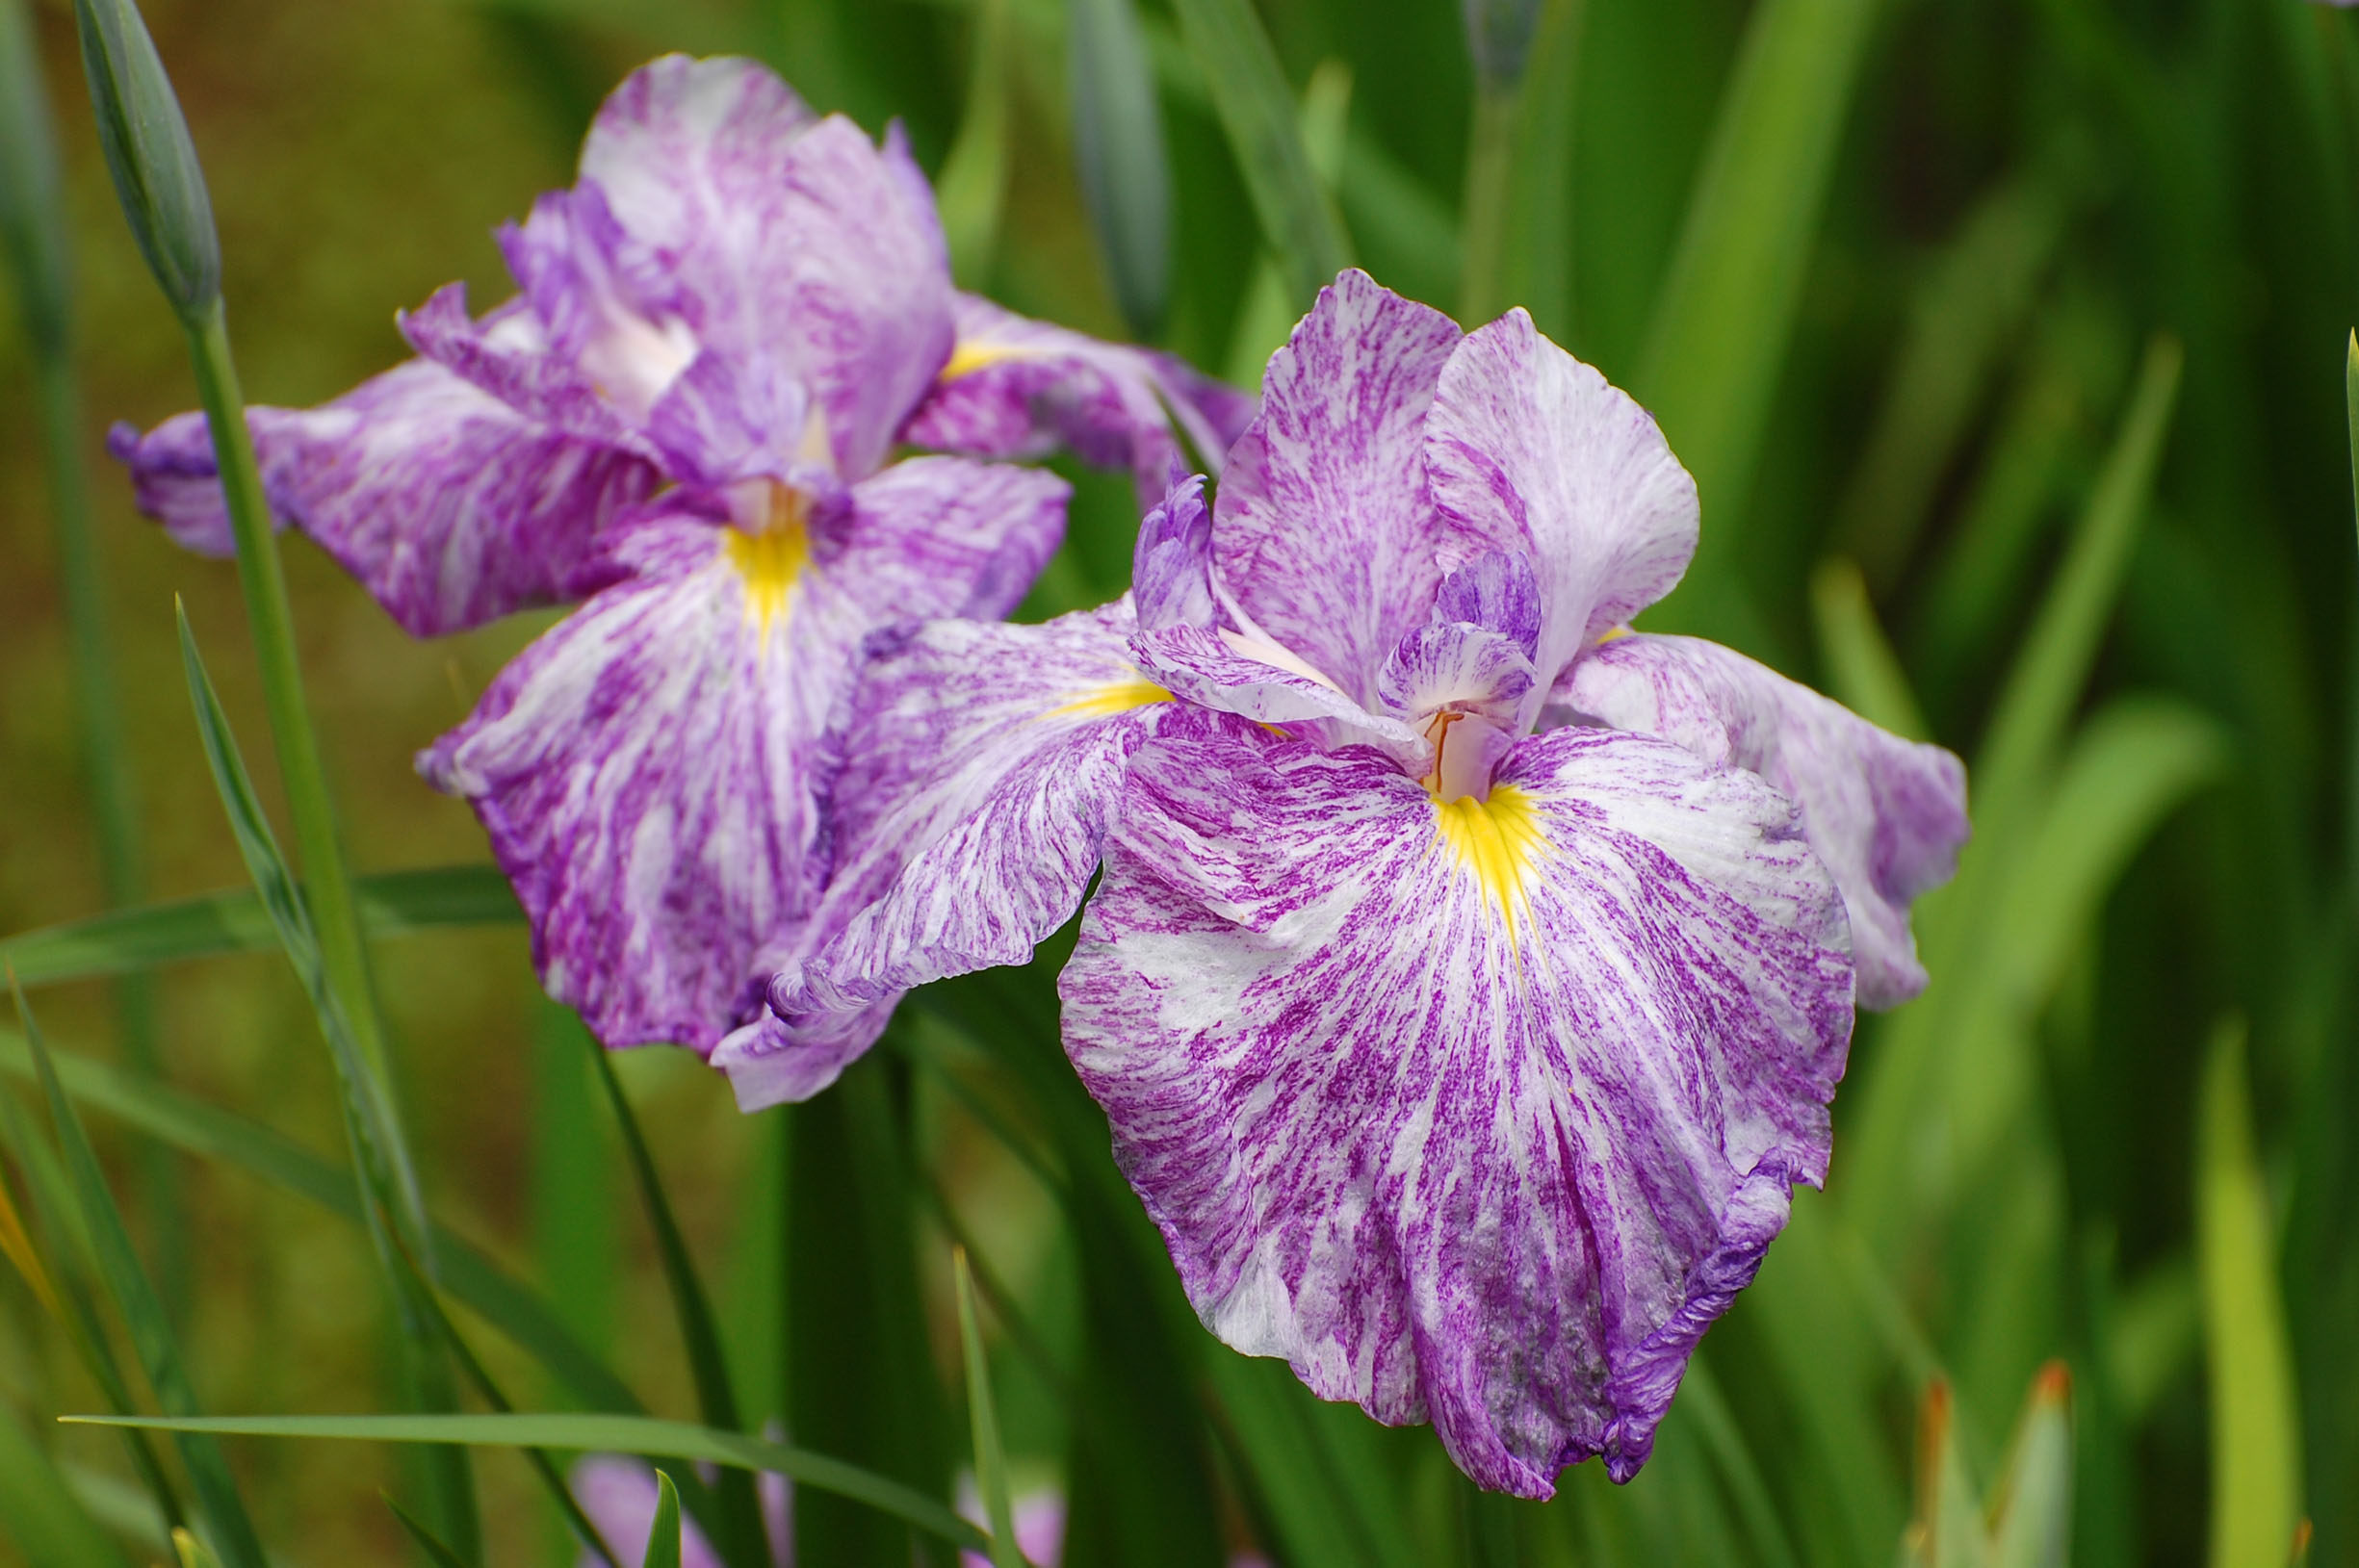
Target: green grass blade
point(425, 1539)
point(620, 1434)
point(859, 1377)
point(1320, 1484)
point(1964, 318)
point(1862, 670)
point(1408, 236)
point(2256, 1420)
point(206, 1132)
point(1257, 111)
point(2045, 682)
point(2031, 1509)
point(1271, 307)
point(1700, 1393)
point(2350, 404)
point(990, 1463)
point(664, 1534)
point(971, 193)
point(1718, 339)
point(191, 1551)
point(39, 1512)
point(1120, 154)
point(142, 1312)
point(738, 1534)
point(234, 920)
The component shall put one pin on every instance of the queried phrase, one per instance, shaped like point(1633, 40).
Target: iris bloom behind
point(1469, 975)
point(688, 418)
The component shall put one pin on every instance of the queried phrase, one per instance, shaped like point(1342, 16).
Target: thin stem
point(1490, 156)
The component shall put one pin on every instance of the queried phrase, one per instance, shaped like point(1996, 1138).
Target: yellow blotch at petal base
point(771, 562)
point(968, 357)
point(1115, 697)
point(1498, 840)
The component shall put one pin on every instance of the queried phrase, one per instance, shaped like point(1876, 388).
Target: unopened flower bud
point(146, 141)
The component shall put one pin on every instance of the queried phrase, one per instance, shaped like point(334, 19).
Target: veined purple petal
point(1533, 450)
point(1225, 671)
point(1886, 815)
point(648, 774)
point(930, 536)
point(1171, 567)
point(781, 244)
point(977, 761)
point(1323, 529)
point(508, 354)
point(1480, 1114)
point(1021, 388)
point(449, 507)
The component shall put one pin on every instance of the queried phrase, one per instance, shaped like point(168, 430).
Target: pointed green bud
point(148, 151)
point(32, 216)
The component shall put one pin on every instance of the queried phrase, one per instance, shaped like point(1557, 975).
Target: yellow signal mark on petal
point(1112, 698)
point(1497, 841)
point(771, 558)
point(972, 354)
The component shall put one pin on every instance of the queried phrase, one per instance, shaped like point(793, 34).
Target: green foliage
point(1883, 272)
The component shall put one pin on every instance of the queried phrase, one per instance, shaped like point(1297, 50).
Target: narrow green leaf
point(425, 1539)
point(973, 190)
point(2045, 682)
point(143, 1314)
point(1968, 311)
point(2256, 1420)
point(1701, 1393)
point(2350, 404)
point(1271, 307)
point(859, 1378)
point(1320, 1483)
point(1718, 339)
point(990, 1463)
point(2031, 1509)
point(621, 1435)
point(208, 1133)
point(33, 231)
point(191, 1551)
point(1947, 1532)
point(1118, 146)
point(738, 1534)
point(146, 140)
point(234, 920)
point(663, 1536)
point(1257, 111)
point(39, 1513)
point(1863, 670)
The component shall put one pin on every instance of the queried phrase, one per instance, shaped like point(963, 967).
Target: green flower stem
point(328, 887)
point(1491, 166)
point(319, 846)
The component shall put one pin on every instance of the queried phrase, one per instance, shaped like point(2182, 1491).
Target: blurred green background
point(2005, 338)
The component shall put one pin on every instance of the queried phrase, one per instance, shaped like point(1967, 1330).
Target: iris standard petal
point(1234, 674)
point(1475, 1112)
point(648, 774)
point(1322, 527)
point(1886, 815)
point(451, 507)
point(779, 241)
point(1016, 387)
point(1534, 449)
point(977, 761)
point(1171, 567)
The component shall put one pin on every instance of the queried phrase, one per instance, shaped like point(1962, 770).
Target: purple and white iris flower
point(1468, 975)
point(687, 419)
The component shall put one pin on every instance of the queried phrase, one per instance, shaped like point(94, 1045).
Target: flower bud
point(1499, 38)
point(146, 143)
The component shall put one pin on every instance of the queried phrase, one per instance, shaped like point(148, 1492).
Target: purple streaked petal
point(930, 536)
point(1456, 667)
point(1224, 671)
point(1481, 1117)
point(649, 770)
point(977, 760)
point(785, 244)
point(508, 354)
point(1496, 590)
point(1534, 449)
point(1171, 567)
point(448, 506)
point(1886, 815)
point(1021, 388)
point(1323, 528)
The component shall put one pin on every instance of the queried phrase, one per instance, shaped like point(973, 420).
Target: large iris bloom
point(687, 417)
point(1469, 975)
